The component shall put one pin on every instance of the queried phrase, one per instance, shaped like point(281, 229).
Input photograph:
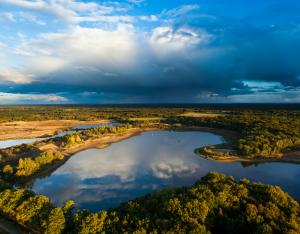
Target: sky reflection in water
point(103, 178)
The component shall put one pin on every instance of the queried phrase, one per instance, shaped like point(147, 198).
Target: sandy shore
point(99, 142)
point(32, 129)
point(292, 156)
point(106, 140)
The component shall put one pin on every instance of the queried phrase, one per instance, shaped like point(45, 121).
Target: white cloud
point(167, 40)
point(137, 2)
point(103, 50)
point(182, 10)
point(72, 11)
point(282, 96)
point(39, 4)
point(30, 17)
point(109, 50)
point(7, 16)
point(10, 75)
point(15, 98)
point(260, 85)
point(149, 18)
point(179, 168)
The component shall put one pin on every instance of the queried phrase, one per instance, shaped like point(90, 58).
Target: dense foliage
point(78, 137)
point(30, 113)
point(33, 212)
point(266, 129)
point(20, 150)
point(263, 133)
point(28, 166)
point(215, 204)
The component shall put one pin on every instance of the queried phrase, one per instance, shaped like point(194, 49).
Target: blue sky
point(142, 51)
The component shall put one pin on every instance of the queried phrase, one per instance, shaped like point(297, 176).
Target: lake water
point(103, 178)
point(10, 143)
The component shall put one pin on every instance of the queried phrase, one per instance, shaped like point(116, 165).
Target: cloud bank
point(69, 51)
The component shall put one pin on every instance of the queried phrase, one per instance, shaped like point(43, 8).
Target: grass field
point(201, 114)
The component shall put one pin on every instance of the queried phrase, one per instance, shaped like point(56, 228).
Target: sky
point(149, 51)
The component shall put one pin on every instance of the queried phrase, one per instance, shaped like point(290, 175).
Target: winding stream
point(103, 178)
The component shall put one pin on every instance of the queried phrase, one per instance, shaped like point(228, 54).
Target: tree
point(7, 169)
point(56, 222)
point(26, 167)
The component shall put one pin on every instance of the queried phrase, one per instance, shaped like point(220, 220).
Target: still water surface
point(103, 178)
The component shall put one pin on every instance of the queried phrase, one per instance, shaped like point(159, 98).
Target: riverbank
point(99, 143)
point(108, 139)
point(34, 129)
point(289, 156)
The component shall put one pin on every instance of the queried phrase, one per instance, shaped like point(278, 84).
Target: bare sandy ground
point(292, 156)
point(31, 129)
point(99, 142)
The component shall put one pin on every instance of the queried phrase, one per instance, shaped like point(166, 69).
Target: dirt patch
point(201, 114)
point(146, 119)
point(287, 157)
point(99, 142)
point(32, 129)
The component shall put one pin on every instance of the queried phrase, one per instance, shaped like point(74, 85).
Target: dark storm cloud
point(260, 47)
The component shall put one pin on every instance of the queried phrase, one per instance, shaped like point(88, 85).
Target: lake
point(103, 178)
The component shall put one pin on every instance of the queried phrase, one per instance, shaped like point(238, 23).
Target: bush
point(8, 169)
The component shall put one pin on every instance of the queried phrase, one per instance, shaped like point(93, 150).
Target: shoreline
point(39, 129)
point(292, 156)
point(107, 140)
point(232, 159)
point(98, 143)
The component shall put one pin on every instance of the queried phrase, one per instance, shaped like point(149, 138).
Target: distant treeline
point(215, 204)
point(30, 113)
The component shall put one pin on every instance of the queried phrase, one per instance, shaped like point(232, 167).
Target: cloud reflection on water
point(126, 169)
point(103, 178)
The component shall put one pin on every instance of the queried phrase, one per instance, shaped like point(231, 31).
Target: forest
point(215, 204)
point(264, 134)
point(29, 166)
point(78, 137)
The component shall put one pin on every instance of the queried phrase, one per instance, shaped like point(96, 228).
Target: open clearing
point(31, 129)
point(201, 114)
point(146, 119)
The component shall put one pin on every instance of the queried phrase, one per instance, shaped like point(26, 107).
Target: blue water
point(103, 178)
